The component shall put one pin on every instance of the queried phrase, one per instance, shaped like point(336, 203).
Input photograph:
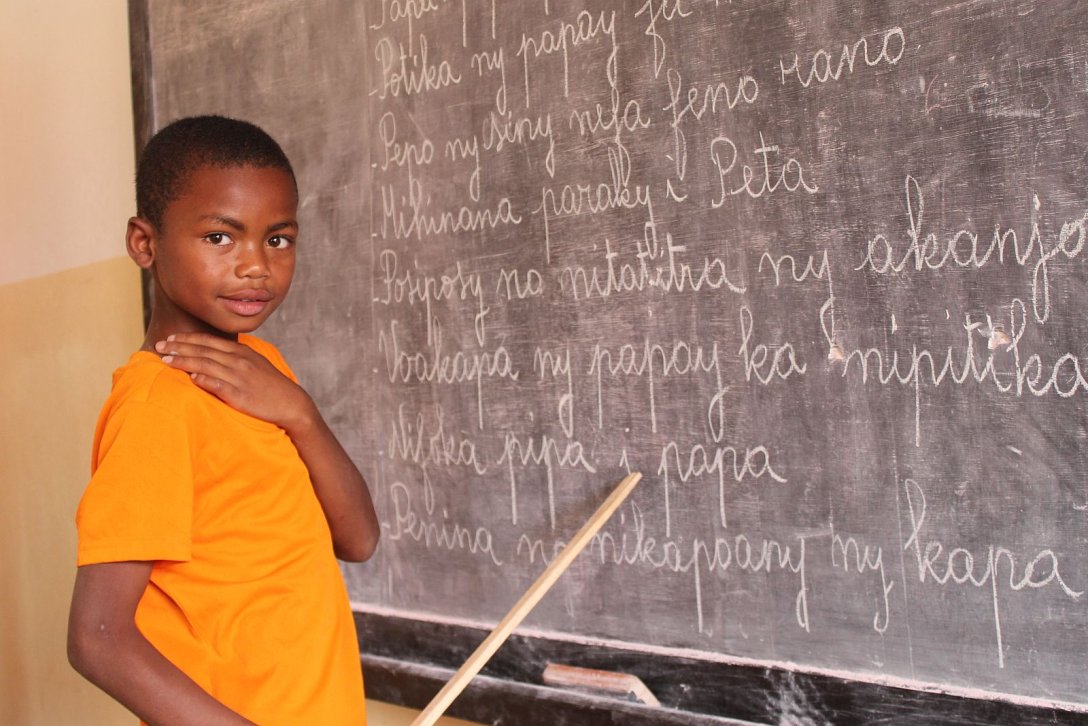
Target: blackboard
point(817, 269)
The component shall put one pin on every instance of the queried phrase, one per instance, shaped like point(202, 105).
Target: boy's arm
point(105, 646)
point(245, 380)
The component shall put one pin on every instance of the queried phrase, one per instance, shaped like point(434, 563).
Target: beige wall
point(65, 182)
point(69, 314)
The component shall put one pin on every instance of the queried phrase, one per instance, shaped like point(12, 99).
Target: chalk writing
point(500, 131)
point(441, 366)
point(407, 73)
point(676, 358)
point(395, 11)
point(402, 153)
point(764, 362)
point(821, 68)
point(675, 275)
point(411, 286)
point(754, 462)
point(545, 451)
point(411, 441)
point(556, 364)
point(742, 252)
point(458, 149)
point(631, 119)
point(962, 248)
point(661, 10)
point(713, 94)
point(859, 558)
point(958, 564)
point(789, 176)
point(1063, 377)
point(488, 62)
point(565, 36)
point(576, 199)
point(409, 524)
point(419, 224)
point(749, 554)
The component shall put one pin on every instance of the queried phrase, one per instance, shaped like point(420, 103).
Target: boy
point(208, 590)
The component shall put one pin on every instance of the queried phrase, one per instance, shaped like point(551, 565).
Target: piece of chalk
point(999, 338)
point(557, 674)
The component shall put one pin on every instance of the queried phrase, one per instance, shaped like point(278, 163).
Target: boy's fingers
point(191, 359)
point(179, 347)
point(199, 350)
point(206, 339)
point(202, 344)
point(202, 365)
point(216, 386)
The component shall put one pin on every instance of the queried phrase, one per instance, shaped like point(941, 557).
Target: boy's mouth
point(248, 302)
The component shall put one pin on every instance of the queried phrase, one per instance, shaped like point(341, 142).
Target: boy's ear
point(140, 242)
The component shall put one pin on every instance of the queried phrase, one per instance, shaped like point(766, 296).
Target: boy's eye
point(280, 242)
point(218, 238)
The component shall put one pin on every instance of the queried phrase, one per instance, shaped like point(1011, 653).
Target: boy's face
point(225, 254)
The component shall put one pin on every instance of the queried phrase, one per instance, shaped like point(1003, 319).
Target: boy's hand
point(244, 379)
point(239, 376)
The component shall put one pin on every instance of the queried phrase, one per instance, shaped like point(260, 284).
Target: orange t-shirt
point(245, 596)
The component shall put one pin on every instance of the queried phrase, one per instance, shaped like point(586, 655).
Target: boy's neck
point(160, 330)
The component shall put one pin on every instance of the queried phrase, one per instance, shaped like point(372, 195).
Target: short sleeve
point(271, 353)
point(139, 503)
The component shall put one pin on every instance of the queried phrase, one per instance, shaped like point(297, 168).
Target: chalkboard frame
point(407, 660)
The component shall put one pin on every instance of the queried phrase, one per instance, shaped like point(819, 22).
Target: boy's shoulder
point(147, 395)
point(270, 352)
point(147, 392)
point(266, 349)
point(145, 378)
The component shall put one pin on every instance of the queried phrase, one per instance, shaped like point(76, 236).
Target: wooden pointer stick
point(528, 601)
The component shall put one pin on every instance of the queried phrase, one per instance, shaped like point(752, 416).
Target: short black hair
point(188, 144)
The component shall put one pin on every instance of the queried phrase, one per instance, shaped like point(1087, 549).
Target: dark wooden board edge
point(143, 109)
point(406, 661)
point(493, 700)
point(139, 48)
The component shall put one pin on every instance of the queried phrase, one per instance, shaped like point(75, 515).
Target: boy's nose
point(252, 261)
